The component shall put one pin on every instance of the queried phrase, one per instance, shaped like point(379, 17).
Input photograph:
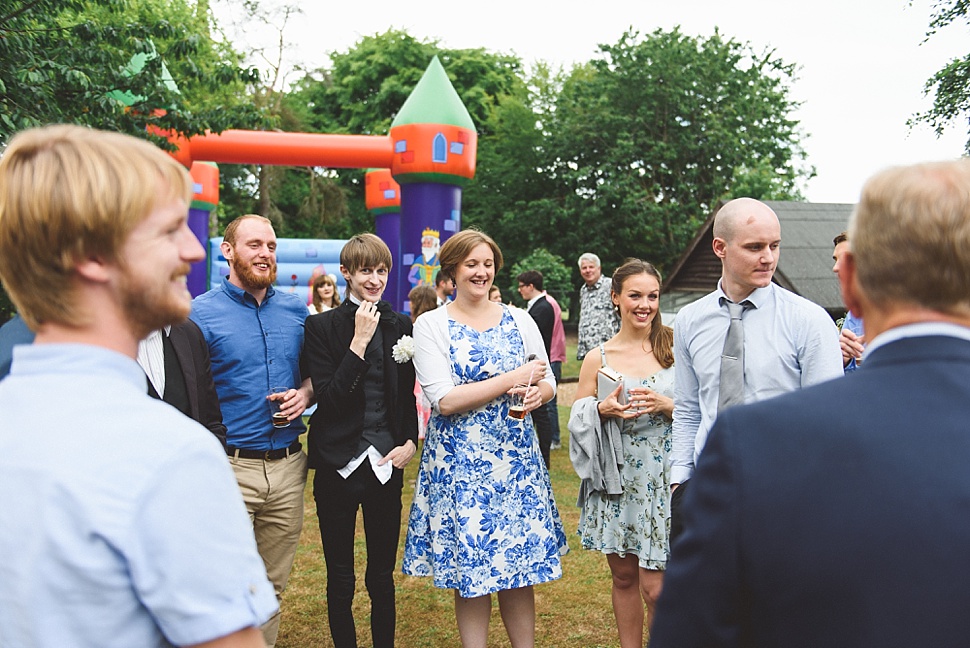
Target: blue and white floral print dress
point(483, 518)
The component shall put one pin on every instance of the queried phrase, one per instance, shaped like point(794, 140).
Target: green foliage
point(60, 58)
point(950, 86)
point(649, 136)
point(360, 93)
point(555, 275)
point(624, 155)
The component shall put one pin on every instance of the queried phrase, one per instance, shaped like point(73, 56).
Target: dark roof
point(805, 265)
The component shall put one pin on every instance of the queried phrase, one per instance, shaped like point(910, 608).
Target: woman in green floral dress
point(627, 516)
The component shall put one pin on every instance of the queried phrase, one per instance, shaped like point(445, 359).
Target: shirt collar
point(239, 295)
point(596, 286)
point(534, 300)
point(920, 329)
point(758, 298)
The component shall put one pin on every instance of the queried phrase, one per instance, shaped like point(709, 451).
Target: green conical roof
point(434, 101)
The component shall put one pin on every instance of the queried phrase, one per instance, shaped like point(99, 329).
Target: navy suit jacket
point(338, 382)
point(838, 515)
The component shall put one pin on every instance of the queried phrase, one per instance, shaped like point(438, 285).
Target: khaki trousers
point(273, 493)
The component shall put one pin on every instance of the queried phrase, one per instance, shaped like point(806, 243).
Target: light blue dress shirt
point(789, 343)
point(122, 524)
point(854, 324)
point(253, 347)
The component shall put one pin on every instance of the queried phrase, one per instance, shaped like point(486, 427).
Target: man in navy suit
point(838, 515)
point(362, 434)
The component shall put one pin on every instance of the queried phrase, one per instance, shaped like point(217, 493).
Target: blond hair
point(910, 236)
point(69, 193)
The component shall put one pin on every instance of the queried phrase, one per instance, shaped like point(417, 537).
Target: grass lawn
point(573, 611)
point(570, 368)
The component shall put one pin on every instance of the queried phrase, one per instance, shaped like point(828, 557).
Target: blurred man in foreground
point(122, 523)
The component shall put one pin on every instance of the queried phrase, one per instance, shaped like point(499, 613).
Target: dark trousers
point(677, 512)
point(554, 403)
point(540, 419)
point(338, 500)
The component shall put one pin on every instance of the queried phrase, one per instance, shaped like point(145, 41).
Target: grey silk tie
point(731, 382)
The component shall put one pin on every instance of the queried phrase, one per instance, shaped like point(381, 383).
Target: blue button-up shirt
point(253, 348)
point(122, 523)
point(854, 324)
point(789, 343)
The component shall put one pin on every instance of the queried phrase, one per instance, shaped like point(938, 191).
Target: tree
point(555, 275)
point(950, 86)
point(362, 90)
point(61, 60)
point(647, 138)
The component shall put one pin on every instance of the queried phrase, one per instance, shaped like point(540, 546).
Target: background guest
point(629, 526)
point(852, 335)
point(539, 308)
point(484, 519)
point(597, 319)
point(324, 291)
point(422, 299)
point(444, 288)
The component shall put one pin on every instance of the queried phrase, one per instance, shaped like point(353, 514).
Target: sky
point(862, 63)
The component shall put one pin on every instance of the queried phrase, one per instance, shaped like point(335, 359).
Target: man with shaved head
point(837, 515)
point(783, 341)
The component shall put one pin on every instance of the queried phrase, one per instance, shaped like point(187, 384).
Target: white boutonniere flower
point(403, 351)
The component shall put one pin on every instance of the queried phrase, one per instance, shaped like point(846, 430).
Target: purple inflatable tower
point(435, 144)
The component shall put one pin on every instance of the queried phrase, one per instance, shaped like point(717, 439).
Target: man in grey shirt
point(598, 321)
point(789, 342)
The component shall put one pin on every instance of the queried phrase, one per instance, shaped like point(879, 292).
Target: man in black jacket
point(362, 434)
point(530, 288)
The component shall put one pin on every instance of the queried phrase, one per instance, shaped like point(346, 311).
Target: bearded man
point(255, 336)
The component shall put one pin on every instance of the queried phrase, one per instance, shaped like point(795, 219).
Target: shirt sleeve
point(819, 353)
point(687, 410)
point(191, 550)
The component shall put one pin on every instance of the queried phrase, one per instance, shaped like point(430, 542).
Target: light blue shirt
point(789, 343)
point(121, 523)
point(854, 324)
point(253, 347)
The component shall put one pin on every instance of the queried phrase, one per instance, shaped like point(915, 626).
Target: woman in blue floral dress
point(628, 518)
point(483, 519)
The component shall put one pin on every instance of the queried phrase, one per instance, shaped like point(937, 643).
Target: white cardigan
point(432, 354)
